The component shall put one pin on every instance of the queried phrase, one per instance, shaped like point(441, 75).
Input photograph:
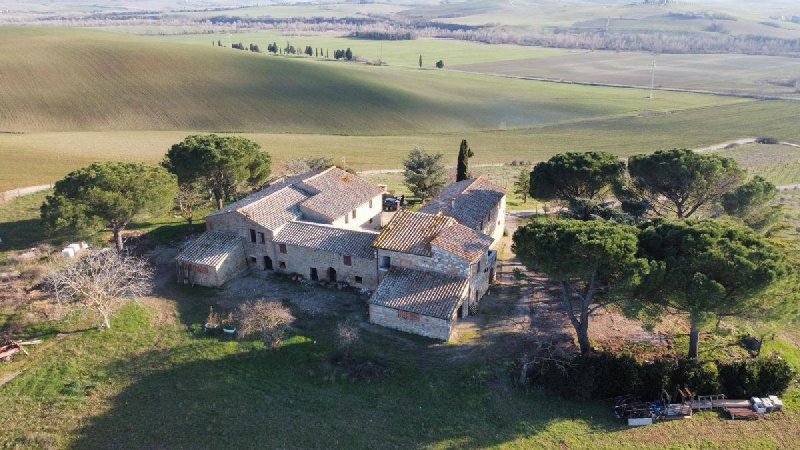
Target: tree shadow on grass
point(21, 234)
point(283, 399)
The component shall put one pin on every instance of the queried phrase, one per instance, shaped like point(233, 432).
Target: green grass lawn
point(148, 382)
point(20, 227)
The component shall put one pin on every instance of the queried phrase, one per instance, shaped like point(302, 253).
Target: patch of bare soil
point(310, 298)
point(524, 305)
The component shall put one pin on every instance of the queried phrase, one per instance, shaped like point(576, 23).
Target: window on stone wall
point(346, 218)
point(478, 269)
point(370, 203)
point(282, 248)
point(405, 315)
point(386, 262)
point(252, 235)
point(261, 237)
point(354, 214)
point(359, 280)
point(282, 264)
point(348, 260)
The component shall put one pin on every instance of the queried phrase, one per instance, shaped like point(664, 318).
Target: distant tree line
point(239, 46)
point(343, 54)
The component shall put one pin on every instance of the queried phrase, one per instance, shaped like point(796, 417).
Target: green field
point(38, 158)
point(396, 53)
point(83, 80)
point(744, 74)
point(779, 164)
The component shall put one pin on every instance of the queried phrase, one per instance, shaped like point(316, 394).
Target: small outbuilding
point(211, 260)
point(420, 302)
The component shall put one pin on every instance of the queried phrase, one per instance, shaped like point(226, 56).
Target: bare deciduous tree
point(347, 335)
point(265, 320)
point(188, 199)
point(99, 280)
point(296, 166)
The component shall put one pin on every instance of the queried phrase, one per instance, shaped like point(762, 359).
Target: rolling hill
point(71, 80)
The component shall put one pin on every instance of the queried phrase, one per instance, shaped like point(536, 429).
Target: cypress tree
point(464, 154)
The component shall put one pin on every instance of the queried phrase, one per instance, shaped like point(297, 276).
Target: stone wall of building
point(367, 216)
point(441, 262)
point(300, 260)
point(411, 323)
point(255, 252)
point(198, 274)
point(495, 224)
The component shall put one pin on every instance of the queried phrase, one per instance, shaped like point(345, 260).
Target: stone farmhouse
point(424, 270)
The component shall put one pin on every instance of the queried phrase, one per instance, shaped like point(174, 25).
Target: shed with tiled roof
point(211, 259)
point(419, 302)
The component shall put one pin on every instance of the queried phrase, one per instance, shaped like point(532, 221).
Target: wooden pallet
point(742, 414)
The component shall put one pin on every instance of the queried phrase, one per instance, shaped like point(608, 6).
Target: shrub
point(757, 377)
point(773, 375)
point(702, 377)
point(347, 336)
point(736, 379)
point(265, 320)
point(604, 375)
point(769, 140)
point(654, 377)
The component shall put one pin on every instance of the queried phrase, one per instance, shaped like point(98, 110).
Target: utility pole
point(344, 163)
point(652, 79)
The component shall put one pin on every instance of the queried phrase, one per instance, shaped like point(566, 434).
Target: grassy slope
point(779, 164)
point(54, 79)
point(736, 73)
point(149, 383)
point(36, 158)
point(396, 53)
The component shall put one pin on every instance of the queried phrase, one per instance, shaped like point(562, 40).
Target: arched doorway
point(268, 263)
point(331, 274)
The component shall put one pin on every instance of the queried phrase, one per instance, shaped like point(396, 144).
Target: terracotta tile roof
point(210, 248)
point(330, 192)
point(464, 242)
point(412, 232)
point(265, 192)
point(336, 192)
point(469, 202)
point(275, 210)
point(325, 238)
point(426, 293)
